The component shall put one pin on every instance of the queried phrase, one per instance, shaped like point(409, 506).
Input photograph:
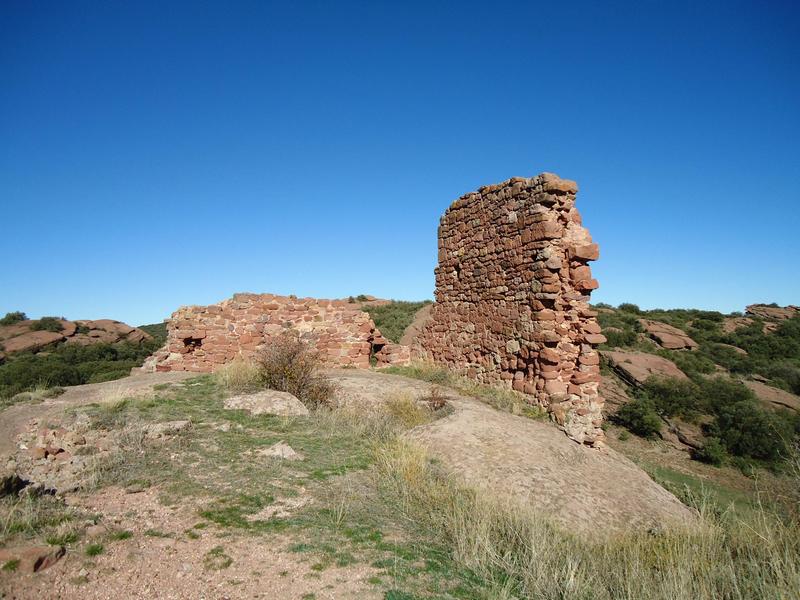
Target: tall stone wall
point(201, 338)
point(512, 298)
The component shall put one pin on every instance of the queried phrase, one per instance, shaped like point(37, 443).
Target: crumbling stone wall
point(200, 338)
point(512, 298)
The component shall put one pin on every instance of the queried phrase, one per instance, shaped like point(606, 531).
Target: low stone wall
point(512, 298)
point(201, 338)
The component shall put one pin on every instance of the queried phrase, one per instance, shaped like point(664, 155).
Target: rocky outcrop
point(637, 367)
point(201, 338)
point(778, 313)
point(774, 398)
point(20, 337)
point(614, 394)
point(512, 293)
point(667, 336)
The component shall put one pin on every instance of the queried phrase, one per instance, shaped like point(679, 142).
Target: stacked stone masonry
point(201, 338)
point(512, 298)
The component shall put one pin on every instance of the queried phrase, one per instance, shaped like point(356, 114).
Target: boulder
point(614, 394)
point(668, 336)
point(31, 341)
point(773, 397)
point(637, 367)
point(280, 450)
point(33, 559)
point(268, 402)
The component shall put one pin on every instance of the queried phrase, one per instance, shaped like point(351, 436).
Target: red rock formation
point(512, 298)
point(200, 338)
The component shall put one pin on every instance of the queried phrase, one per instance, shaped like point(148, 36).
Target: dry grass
point(521, 555)
point(502, 399)
point(239, 375)
point(407, 411)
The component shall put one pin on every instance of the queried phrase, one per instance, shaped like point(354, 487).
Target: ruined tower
point(512, 298)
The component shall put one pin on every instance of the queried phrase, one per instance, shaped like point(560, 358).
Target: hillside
point(50, 352)
point(723, 387)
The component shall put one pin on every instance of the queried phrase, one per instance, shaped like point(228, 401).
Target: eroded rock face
point(668, 336)
point(637, 367)
point(201, 338)
point(779, 313)
point(512, 298)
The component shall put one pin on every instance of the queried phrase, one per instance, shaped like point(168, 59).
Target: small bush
point(47, 324)
point(239, 375)
point(631, 308)
point(746, 430)
point(712, 452)
point(94, 549)
point(289, 365)
point(13, 317)
point(639, 417)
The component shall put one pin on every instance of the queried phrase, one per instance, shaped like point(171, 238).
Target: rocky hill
point(19, 334)
point(723, 387)
point(51, 351)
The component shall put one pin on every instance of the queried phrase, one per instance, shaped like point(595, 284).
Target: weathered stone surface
point(668, 336)
point(201, 338)
point(614, 394)
point(637, 367)
point(281, 450)
point(31, 341)
point(267, 402)
point(773, 397)
point(512, 293)
point(32, 559)
point(779, 313)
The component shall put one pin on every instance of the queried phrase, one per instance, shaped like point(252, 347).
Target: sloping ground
point(14, 419)
point(582, 489)
point(421, 317)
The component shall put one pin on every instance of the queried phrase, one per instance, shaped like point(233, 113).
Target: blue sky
point(154, 154)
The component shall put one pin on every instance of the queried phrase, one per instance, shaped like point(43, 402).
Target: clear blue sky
point(154, 154)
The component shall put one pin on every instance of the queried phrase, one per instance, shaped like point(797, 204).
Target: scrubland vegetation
point(736, 426)
point(394, 318)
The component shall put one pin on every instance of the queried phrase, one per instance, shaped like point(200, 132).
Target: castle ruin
point(201, 338)
point(512, 298)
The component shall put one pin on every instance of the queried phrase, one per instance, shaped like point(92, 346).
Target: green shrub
point(394, 318)
point(71, 364)
point(639, 417)
point(746, 430)
point(288, 364)
point(620, 339)
point(13, 317)
point(674, 397)
point(47, 324)
point(630, 308)
point(712, 452)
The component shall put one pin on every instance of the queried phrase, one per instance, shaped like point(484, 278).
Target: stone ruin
point(512, 299)
point(512, 308)
point(201, 338)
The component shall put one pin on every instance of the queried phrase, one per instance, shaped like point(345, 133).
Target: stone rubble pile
point(512, 298)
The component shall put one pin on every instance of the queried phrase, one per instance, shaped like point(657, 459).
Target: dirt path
point(14, 418)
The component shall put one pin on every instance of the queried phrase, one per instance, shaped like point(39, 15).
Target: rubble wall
point(512, 298)
point(201, 338)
